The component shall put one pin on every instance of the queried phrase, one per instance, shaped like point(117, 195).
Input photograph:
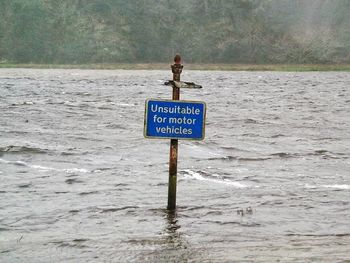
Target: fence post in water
point(176, 69)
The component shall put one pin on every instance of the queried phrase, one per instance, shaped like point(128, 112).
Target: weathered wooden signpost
point(175, 119)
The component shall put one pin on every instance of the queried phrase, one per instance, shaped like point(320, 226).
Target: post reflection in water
point(176, 246)
point(174, 238)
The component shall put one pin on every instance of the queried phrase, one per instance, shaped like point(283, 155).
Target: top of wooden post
point(177, 59)
point(177, 68)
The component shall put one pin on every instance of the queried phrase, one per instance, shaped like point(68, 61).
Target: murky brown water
point(79, 183)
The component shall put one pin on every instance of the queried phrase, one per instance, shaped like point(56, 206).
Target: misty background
point(202, 31)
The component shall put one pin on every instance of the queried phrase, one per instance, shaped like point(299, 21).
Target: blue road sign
point(175, 119)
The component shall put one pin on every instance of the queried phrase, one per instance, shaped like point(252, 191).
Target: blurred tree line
point(203, 31)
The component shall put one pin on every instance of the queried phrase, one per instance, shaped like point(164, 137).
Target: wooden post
point(176, 69)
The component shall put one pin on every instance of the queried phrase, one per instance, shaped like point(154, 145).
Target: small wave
point(25, 185)
point(83, 94)
point(75, 170)
point(73, 181)
point(251, 121)
point(254, 121)
point(241, 159)
point(88, 193)
point(332, 186)
point(277, 135)
point(284, 155)
point(224, 158)
point(338, 186)
point(328, 155)
point(23, 103)
point(68, 170)
point(116, 209)
point(116, 126)
point(71, 244)
point(321, 153)
point(21, 149)
point(253, 159)
point(231, 148)
point(39, 167)
point(12, 162)
point(126, 105)
point(45, 168)
point(320, 235)
point(215, 178)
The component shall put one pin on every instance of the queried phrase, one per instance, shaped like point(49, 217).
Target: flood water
point(80, 183)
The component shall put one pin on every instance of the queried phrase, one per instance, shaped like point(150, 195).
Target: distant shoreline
point(210, 67)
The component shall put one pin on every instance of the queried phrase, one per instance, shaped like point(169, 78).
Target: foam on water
point(212, 178)
point(45, 168)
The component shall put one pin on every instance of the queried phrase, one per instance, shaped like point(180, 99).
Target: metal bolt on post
point(177, 70)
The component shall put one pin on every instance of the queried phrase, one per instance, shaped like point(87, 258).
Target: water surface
point(80, 183)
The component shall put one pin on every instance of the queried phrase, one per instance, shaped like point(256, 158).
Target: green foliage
point(203, 31)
